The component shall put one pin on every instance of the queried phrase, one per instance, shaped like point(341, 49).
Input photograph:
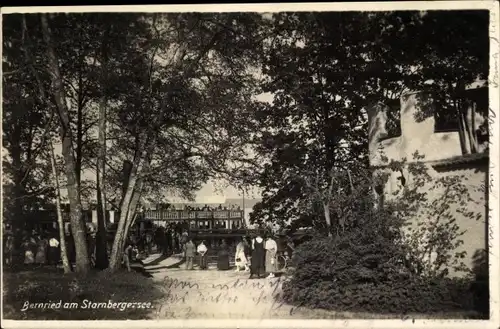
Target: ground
point(212, 293)
point(232, 295)
point(170, 289)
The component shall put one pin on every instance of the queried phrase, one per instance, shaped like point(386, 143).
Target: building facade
point(449, 148)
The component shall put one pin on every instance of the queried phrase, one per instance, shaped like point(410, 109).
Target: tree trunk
point(101, 238)
point(77, 226)
point(465, 133)
point(60, 222)
point(471, 126)
point(133, 206)
point(326, 208)
point(79, 143)
point(102, 261)
point(136, 198)
point(116, 252)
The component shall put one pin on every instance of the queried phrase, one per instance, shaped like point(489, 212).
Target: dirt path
point(220, 294)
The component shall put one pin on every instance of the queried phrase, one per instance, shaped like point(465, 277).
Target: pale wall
point(420, 136)
point(415, 135)
point(474, 177)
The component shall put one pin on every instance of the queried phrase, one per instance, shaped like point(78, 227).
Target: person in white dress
point(271, 249)
point(241, 260)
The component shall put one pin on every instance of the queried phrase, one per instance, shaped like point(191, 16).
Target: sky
point(212, 192)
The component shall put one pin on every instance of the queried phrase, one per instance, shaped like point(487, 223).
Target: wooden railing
point(170, 215)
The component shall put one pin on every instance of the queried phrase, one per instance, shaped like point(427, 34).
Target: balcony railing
point(170, 215)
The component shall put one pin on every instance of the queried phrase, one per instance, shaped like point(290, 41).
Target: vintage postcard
point(317, 165)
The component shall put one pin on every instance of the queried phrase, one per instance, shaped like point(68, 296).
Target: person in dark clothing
point(128, 253)
point(223, 257)
point(149, 243)
point(53, 252)
point(248, 247)
point(70, 242)
point(167, 244)
point(160, 240)
point(258, 257)
point(177, 242)
point(91, 243)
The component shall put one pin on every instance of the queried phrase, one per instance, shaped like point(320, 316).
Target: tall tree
point(26, 130)
point(60, 221)
point(325, 70)
point(77, 226)
point(101, 245)
point(185, 123)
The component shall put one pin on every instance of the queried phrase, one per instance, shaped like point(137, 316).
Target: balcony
point(176, 215)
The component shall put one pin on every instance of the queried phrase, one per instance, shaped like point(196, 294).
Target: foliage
point(326, 69)
point(430, 207)
point(344, 275)
point(178, 90)
point(381, 262)
point(26, 166)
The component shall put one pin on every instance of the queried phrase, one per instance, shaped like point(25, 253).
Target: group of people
point(257, 255)
point(37, 249)
point(206, 208)
point(166, 240)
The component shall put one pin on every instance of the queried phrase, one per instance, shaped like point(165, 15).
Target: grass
point(44, 285)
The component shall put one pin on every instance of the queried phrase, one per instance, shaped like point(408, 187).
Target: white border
point(494, 228)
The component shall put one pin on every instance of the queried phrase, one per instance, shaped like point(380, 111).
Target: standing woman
point(223, 257)
point(240, 259)
point(258, 253)
point(271, 250)
point(41, 250)
point(9, 250)
point(27, 245)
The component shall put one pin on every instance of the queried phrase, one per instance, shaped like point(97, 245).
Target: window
point(478, 101)
point(445, 121)
point(393, 123)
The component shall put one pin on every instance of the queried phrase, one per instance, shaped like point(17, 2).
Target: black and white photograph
point(279, 165)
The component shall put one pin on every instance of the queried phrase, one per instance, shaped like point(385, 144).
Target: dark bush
point(361, 273)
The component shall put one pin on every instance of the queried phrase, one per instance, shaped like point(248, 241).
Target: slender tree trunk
point(77, 226)
point(134, 203)
point(116, 252)
point(471, 124)
point(60, 222)
point(101, 238)
point(465, 133)
point(101, 241)
point(79, 144)
point(326, 208)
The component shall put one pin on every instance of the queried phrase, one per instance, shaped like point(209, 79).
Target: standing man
point(53, 251)
point(184, 238)
point(149, 242)
point(202, 251)
point(160, 240)
point(189, 252)
point(168, 243)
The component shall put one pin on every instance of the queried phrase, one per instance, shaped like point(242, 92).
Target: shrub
point(394, 258)
point(360, 272)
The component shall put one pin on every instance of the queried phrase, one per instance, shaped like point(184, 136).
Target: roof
point(452, 161)
point(461, 159)
point(249, 203)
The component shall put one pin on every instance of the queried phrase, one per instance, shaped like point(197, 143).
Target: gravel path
point(219, 294)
